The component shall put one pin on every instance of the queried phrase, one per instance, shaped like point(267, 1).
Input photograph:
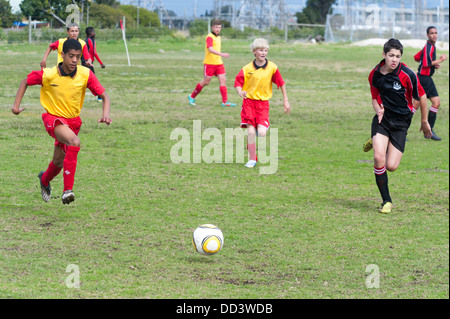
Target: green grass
point(307, 231)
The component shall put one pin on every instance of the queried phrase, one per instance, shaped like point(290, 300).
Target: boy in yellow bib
point(254, 85)
point(73, 30)
point(63, 89)
point(213, 65)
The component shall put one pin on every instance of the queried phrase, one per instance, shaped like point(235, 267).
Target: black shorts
point(394, 126)
point(83, 63)
point(428, 85)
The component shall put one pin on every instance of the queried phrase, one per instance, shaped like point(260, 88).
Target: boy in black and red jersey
point(393, 87)
point(427, 65)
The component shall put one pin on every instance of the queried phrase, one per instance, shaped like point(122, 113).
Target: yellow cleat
point(386, 208)
point(368, 145)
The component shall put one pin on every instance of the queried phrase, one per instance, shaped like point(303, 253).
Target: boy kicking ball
point(62, 95)
point(254, 85)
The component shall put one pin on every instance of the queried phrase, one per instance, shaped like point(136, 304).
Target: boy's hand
point(43, 64)
point(425, 127)
point(243, 94)
point(443, 57)
point(287, 107)
point(17, 110)
point(103, 66)
point(225, 55)
point(380, 113)
point(105, 119)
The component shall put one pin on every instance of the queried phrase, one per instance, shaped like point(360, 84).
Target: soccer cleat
point(67, 197)
point(228, 104)
point(434, 137)
point(368, 145)
point(250, 163)
point(46, 191)
point(386, 208)
point(191, 101)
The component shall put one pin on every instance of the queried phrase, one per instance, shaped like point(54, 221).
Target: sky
point(185, 7)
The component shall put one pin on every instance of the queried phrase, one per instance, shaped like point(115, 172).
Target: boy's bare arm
point(213, 51)
point(286, 104)
point(424, 126)
point(242, 94)
point(44, 59)
point(16, 109)
point(106, 103)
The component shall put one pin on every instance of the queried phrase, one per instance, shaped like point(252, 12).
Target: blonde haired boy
point(254, 85)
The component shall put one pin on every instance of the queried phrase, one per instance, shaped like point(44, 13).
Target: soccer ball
point(207, 239)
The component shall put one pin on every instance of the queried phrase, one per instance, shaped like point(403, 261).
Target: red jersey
point(397, 89)
point(425, 57)
point(92, 49)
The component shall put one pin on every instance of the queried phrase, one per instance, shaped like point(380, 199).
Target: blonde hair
point(260, 43)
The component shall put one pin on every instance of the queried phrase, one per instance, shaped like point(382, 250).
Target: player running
point(393, 87)
point(254, 85)
point(63, 89)
point(213, 65)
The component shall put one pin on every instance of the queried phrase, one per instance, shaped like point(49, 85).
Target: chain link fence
point(356, 21)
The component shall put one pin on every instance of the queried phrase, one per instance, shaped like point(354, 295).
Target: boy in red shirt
point(427, 65)
point(213, 65)
point(393, 87)
point(63, 89)
point(92, 49)
point(254, 85)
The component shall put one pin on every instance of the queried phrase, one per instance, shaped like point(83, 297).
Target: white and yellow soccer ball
point(207, 239)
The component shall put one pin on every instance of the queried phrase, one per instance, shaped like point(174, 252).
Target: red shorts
point(51, 121)
point(255, 112)
point(213, 70)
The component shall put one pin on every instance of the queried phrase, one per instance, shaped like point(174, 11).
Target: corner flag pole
point(122, 26)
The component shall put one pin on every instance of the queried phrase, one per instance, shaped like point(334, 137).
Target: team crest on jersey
point(397, 86)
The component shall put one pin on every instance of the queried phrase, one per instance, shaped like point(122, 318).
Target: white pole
point(29, 29)
point(125, 40)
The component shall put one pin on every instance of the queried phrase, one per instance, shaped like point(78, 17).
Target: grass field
point(310, 230)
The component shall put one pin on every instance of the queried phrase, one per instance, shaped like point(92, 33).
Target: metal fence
point(356, 20)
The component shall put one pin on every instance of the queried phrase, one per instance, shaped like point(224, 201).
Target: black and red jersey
point(396, 89)
point(425, 57)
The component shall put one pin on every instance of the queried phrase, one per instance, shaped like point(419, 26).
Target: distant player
point(73, 30)
point(393, 87)
point(92, 49)
point(254, 85)
point(427, 65)
point(62, 94)
point(213, 65)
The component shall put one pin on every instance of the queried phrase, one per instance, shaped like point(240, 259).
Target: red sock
point(223, 91)
point(252, 151)
point(50, 173)
point(70, 166)
point(197, 90)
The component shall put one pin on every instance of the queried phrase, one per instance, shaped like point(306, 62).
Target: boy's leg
point(66, 136)
point(223, 87)
point(432, 113)
point(224, 91)
point(198, 88)
point(55, 166)
point(251, 146)
point(380, 145)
